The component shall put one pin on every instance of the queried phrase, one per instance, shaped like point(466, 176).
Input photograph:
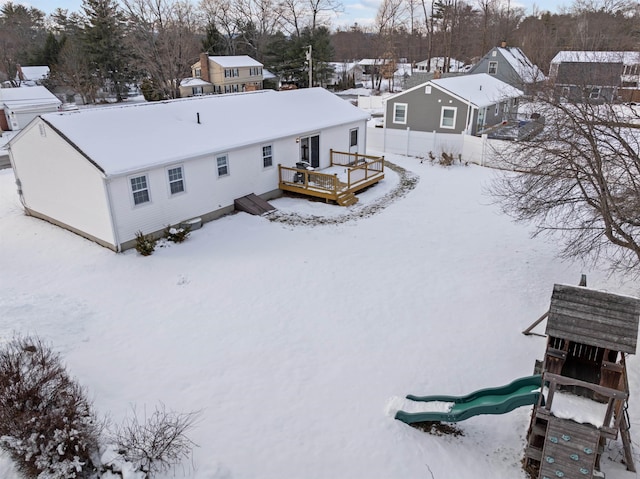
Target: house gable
point(425, 107)
point(510, 65)
point(58, 184)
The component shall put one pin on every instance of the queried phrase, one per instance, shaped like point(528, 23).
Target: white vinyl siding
point(448, 117)
point(400, 113)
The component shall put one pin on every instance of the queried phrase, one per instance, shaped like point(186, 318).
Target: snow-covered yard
point(294, 338)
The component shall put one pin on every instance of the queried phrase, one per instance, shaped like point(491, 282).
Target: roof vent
point(198, 117)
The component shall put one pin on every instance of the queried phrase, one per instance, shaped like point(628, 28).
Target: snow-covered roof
point(341, 67)
point(267, 75)
point(480, 90)
point(235, 61)
point(626, 58)
point(34, 72)
point(191, 81)
point(526, 70)
point(26, 97)
point(123, 139)
point(438, 63)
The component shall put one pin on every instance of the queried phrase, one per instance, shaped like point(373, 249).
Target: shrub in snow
point(145, 244)
point(47, 425)
point(156, 443)
point(177, 234)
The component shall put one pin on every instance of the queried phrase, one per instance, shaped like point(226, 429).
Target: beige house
point(229, 74)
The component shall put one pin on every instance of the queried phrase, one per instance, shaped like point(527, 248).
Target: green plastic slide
point(500, 400)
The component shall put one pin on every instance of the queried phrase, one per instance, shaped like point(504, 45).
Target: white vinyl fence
point(466, 148)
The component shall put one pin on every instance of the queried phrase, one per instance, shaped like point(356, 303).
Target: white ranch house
point(107, 173)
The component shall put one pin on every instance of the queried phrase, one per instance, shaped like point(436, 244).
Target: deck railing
point(360, 170)
point(308, 179)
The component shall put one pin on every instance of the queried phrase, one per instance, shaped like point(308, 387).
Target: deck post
point(331, 157)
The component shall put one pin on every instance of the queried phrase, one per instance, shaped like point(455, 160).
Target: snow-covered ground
point(293, 339)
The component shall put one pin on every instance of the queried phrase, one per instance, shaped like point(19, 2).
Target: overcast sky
point(361, 11)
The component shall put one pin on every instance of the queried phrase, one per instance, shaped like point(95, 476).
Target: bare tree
point(579, 180)
point(74, 70)
point(163, 37)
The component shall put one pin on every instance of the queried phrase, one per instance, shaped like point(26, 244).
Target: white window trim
point(455, 115)
point(263, 156)
point(597, 90)
point(427, 89)
point(357, 136)
point(184, 184)
point(226, 155)
point(148, 188)
point(489, 68)
point(406, 107)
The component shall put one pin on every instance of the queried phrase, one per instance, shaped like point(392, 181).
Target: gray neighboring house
point(510, 65)
point(466, 103)
point(596, 76)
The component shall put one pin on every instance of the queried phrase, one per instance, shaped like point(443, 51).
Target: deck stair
point(253, 205)
point(347, 199)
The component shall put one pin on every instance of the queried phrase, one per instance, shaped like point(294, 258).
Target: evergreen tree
point(213, 43)
point(104, 43)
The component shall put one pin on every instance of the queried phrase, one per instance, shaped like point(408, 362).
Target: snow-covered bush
point(47, 425)
point(156, 443)
point(177, 234)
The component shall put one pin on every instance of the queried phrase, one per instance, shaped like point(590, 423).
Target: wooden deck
point(347, 174)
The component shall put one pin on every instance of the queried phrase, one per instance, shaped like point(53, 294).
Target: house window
point(493, 68)
point(222, 163)
point(230, 72)
point(497, 109)
point(267, 156)
point(140, 190)
point(176, 181)
point(448, 117)
point(427, 89)
point(400, 113)
point(594, 93)
point(255, 71)
point(198, 72)
point(197, 90)
point(353, 137)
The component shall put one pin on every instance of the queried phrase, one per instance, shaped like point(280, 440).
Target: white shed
point(21, 105)
point(107, 173)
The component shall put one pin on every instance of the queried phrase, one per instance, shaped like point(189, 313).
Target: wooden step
point(347, 199)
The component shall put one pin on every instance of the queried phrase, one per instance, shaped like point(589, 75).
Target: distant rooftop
point(626, 58)
point(235, 61)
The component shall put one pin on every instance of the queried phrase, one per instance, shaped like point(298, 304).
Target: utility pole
point(308, 55)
